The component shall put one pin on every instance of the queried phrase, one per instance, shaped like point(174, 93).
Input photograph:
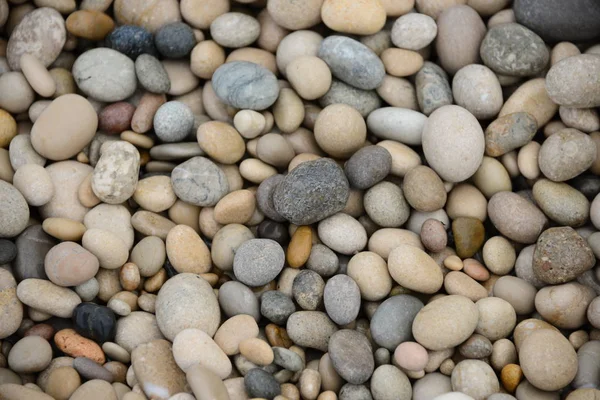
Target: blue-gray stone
point(312, 191)
point(132, 41)
point(351, 356)
point(199, 181)
point(287, 359)
point(245, 85)
point(235, 298)
point(352, 62)
point(392, 322)
point(342, 299)
point(513, 50)
point(433, 88)
point(364, 101)
point(261, 384)
point(307, 289)
point(275, 306)
point(175, 40)
point(151, 74)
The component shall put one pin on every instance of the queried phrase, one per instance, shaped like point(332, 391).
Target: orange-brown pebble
point(70, 342)
point(155, 282)
point(475, 270)
point(129, 276)
point(8, 128)
point(116, 117)
point(89, 24)
point(277, 336)
point(511, 375)
point(211, 278)
point(300, 246)
point(44, 330)
point(143, 116)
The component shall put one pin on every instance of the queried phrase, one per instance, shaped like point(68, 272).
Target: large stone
point(568, 82)
point(392, 322)
point(14, 213)
point(515, 217)
point(351, 355)
point(156, 370)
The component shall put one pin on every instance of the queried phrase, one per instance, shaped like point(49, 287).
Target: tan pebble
point(111, 251)
point(579, 338)
point(503, 353)
point(398, 92)
point(147, 302)
point(274, 149)
point(310, 384)
point(459, 283)
point(116, 352)
point(370, 273)
point(137, 139)
point(327, 395)
point(21, 93)
point(362, 17)
point(117, 369)
point(62, 382)
point(256, 170)
point(290, 391)
point(151, 224)
point(411, 356)
point(85, 194)
point(235, 330)
point(155, 193)
point(249, 123)
point(143, 117)
point(119, 307)
point(295, 16)
point(34, 183)
point(340, 130)
point(288, 111)
point(6, 169)
point(424, 189)
point(208, 226)
point(200, 13)
point(563, 50)
point(401, 62)
point(552, 127)
point(510, 162)
point(129, 276)
point(37, 75)
point(531, 97)
point(257, 351)
point(300, 158)
point(205, 58)
point(89, 24)
point(499, 255)
point(309, 76)
point(64, 81)
point(236, 207)
point(206, 384)
point(75, 345)
point(187, 251)
point(37, 108)
point(183, 213)
point(221, 142)
point(491, 177)
point(465, 200)
point(194, 346)
point(129, 298)
point(225, 243)
point(108, 283)
point(434, 8)
point(383, 241)
point(181, 77)
point(64, 228)
point(453, 263)
point(528, 160)
point(95, 389)
point(8, 128)
point(403, 157)
point(414, 269)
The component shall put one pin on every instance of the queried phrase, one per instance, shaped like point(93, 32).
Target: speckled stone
point(116, 174)
point(432, 87)
point(14, 213)
point(276, 306)
point(132, 41)
point(566, 154)
point(245, 85)
point(307, 289)
point(95, 322)
point(264, 197)
point(351, 355)
point(236, 298)
point(392, 322)
point(199, 181)
point(173, 121)
point(8, 251)
point(287, 359)
point(310, 329)
point(509, 132)
point(261, 384)
point(175, 40)
point(513, 50)
point(152, 74)
point(355, 392)
point(342, 299)
point(313, 191)
point(368, 166)
point(258, 261)
point(364, 101)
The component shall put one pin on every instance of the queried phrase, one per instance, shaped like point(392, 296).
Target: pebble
point(566, 83)
point(105, 74)
point(392, 322)
point(411, 356)
point(414, 269)
point(368, 166)
point(477, 89)
point(235, 298)
point(414, 31)
point(221, 142)
point(112, 218)
point(558, 305)
point(518, 292)
point(533, 98)
point(455, 157)
point(287, 359)
point(423, 189)
point(14, 216)
point(115, 176)
point(309, 76)
point(234, 30)
point(62, 382)
point(515, 217)
point(509, 132)
point(199, 181)
point(477, 346)
point(89, 369)
point(132, 41)
point(364, 101)
point(22, 94)
point(258, 261)
point(149, 15)
point(16, 391)
point(566, 154)
point(136, 328)
point(116, 118)
point(364, 18)
point(346, 345)
point(29, 355)
point(341, 298)
point(386, 205)
point(69, 264)
point(174, 40)
point(152, 74)
point(37, 75)
point(474, 378)
point(307, 290)
point(260, 384)
point(433, 235)
point(173, 121)
point(343, 234)
point(468, 236)
point(95, 322)
point(71, 343)
point(395, 123)
point(352, 62)
point(310, 329)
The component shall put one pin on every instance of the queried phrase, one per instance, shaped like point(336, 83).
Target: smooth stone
point(469, 235)
point(66, 177)
point(194, 346)
point(112, 218)
point(21, 152)
point(557, 21)
point(310, 329)
point(258, 261)
point(152, 74)
point(352, 62)
point(413, 31)
point(475, 378)
point(568, 85)
point(513, 50)
point(564, 306)
point(453, 143)
point(566, 154)
point(69, 264)
point(355, 392)
point(431, 385)
point(260, 384)
point(175, 40)
point(137, 328)
point(47, 297)
point(235, 298)
point(509, 132)
point(199, 181)
point(152, 224)
point(365, 18)
point(341, 298)
point(156, 371)
point(274, 305)
point(116, 118)
point(132, 41)
point(105, 74)
point(264, 197)
point(89, 369)
point(116, 174)
point(518, 292)
point(364, 101)
point(89, 24)
point(328, 194)
point(388, 381)
point(245, 85)
point(477, 346)
point(41, 33)
point(8, 251)
point(343, 234)
point(150, 15)
point(95, 322)
point(175, 151)
point(173, 121)
point(351, 355)
point(587, 371)
point(368, 166)
point(400, 124)
point(11, 309)
point(234, 29)
point(176, 308)
point(32, 246)
point(515, 217)
point(13, 391)
point(432, 87)
point(392, 322)
point(307, 290)
point(414, 269)
point(95, 389)
point(476, 88)
point(14, 214)
point(445, 322)
point(561, 202)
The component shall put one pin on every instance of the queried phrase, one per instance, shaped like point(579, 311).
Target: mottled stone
point(132, 41)
point(568, 82)
point(310, 329)
point(351, 355)
point(352, 62)
point(364, 101)
point(116, 174)
point(432, 87)
point(566, 154)
point(392, 322)
point(313, 191)
point(513, 50)
point(261, 384)
point(14, 213)
point(245, 85)
point(342, 299)
point(175, 40)
point(509, 132)
point(276, 306)
point(199, 181)
point(173, 121)
point(469, 235)
point(156, 371)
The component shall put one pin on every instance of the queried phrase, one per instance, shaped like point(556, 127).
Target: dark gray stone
point(355, 392)
point(261, 384)
point(323, 260)
point(151, 74)
point(32, 246)
point(173, 121)
point(287, 359)
point(8, 251)
point(264, 197)
point(245, 85)
point(588, 372)
point(368, 166)
point(513, 50)
point(175, 40)
point(351, 356)
point(307, 289)
point(89, 369)
point(132, 41)
point(236, 298)
point(560, 20)
point(352, 62)
point(313, 191)
point(175, 151)
point(276, 307)
point(342, 299)
point(276, 231)
point(258, 261)
point(476, 347)
point(392, 322)
point(364, 101)
point(433, 88)
point(199, 181)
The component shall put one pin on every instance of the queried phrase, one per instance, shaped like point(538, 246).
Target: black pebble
point(171, 271)
point(95, 322)
point(175, 40)
point(8, 251)
point(276, 231)
point(131, 41)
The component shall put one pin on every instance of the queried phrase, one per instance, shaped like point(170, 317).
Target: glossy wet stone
point(95, 322)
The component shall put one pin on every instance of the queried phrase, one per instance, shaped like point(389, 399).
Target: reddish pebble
point(433, 235)
point(475, 270)
point(43, 330)
point(70, 342)
point(116, 117)
point(411, 356)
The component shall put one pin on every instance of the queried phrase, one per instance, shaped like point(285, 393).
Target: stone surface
point(515, 217)
point(236, 298)
point(261, 384)
point(194, 346)
point(258, 261)
point(368, 166)
point(234, 29)
point(469, 235)
point(115, 176)
point(151, 74)
point(352, 62)
point(156, 371)
point(276, 306)
point(14, 214)
point(11, 309)
point(89, 369)
point(351, 355)
point(561, 202)
point(95, 322)
point(245, 85)
point(32, 246)
point(310, 329)
point(329, 191)
point(69, 264)
point(567, 83)
point(341, 298)
point(475, 378)
point(132, 41)
point(396, 123)
point(432, 87)
point(364, 101)
point(199, 181)
point(414, 269)
point(173, 121)
point(509, 132)
point(392, 322)
point(175, 40)
point(566, 154)
point(150, 15)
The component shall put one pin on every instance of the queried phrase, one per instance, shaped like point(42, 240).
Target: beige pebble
point(465, 200)
point(129, 276)
point(275, 150)
point(403, 157)
point(30, 354)
point(137, 139)
point(85, 194)
point(111, 251)
point(518, 292)
point(383, 241)
point(491, 177)
point(149, 255)
point(64, 81)
point(257, 56)
point(459, 283)
point(151, 224)
point(424, 189)
point(194, 346)
point(47, 297)
point(361, 17)
point(187, 251)
point(62, 382)
point(205, 58)
point(181, 77)
point(208, 226)
point(531, 97)
point(21, 94)
point(414, 269)
point(499, 255)
point(37, 75)
point(310, 384)
point(288, 111)
point(236, 207)
point(398, 92)
point(155, 193)
point(34, 183)
point(475, 270)
point(309, 76)
point(257, 351)
point(64, 228)
point(183, 213)
point(249, 123)
point(221, 142)
point(303, 141)
point(143, 116)
point(401, 62)
point(225, 243)
point(563, 50)
point(340, 130)
point(527, 160)
point(206, 384)
point(297, 44)
point(235, 330)
point(256, 170)
point(453, 263)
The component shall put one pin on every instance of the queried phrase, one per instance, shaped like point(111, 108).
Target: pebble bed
point(299, 199)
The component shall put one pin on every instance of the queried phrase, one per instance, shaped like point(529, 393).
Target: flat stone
point(14, 213)
point(313, 191)
point(199, 181)
point(392, 322)
point(245, 85)
point(151, 74)
point(364, 101)
point(310, 329)
point(351, 355)
point(352, 62)
point(132, 41)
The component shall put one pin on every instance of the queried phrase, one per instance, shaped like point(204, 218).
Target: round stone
point(310, 329)
point(14, 214)
point(567, 83)
point(173, 121)
point(276, 306)
point(414, 269)
point(307, 289)
point(132, 41)
point(199, 181)
point(413, 31)
point(475, 378)
point(258, 261)
point(69, 264)
point(566, 154)
point(476, 88)
point(368, 166)
point(260, 384)
point(95, 322)
point(351, 355)
point(342, 299)
point(392, 322)
point(175, 40)
point(30, 354)
point(515, 217)
point(234, 29)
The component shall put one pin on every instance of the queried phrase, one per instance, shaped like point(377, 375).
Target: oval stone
point(69, 264)
point(566, 154)
point(341, 297)
point(395, 123)
point(561, 202)
point(351, 355)
point(310, 329)
point(568, 83)
point(14, 213)
point(393, 319)
point(115, 176)
point(509, 132)
point(95, 322)
point(515, 217)
point(200, 182)
point(47, 297)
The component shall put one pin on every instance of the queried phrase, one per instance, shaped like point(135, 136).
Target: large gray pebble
point(235, 298)
point(307, 289)
point(392, 322)
point(352, 62)
point(151, 74)
point(200, 182)
point(14, 213)
point(342, 299)
point(264, 197)
point(513, 50)
point(258, 261)
point(287, 359)
point(433, 88)
point(568, 82)
point(276, 306)
point(310, 329)
point(245, 85)
point(368, 166)
point(566, 154)
point(313, 191)
point(105, 75)
point(173, 121)
point(364, 101)
point(351, 356)
point(322, 260)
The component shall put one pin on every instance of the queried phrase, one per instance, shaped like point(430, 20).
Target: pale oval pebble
point(414, 269)
point(113, 218)
point(527, 160)
point(37, 75)
point(47, 297)
point(476, 88)
point(515, 217)
point(566, 83)
point(108, 247)
point(186, 250)
point(34, 183)
point(414, 31)
point(491, 177)
point(383, 241)
point(403, 157)
point(370, 272)
point(531, 97)
point(194, 346)
point(399, 124)
point(456, 282)
point(234, 331)
point(155, 193)
point(518, 292)
point(342, 233)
